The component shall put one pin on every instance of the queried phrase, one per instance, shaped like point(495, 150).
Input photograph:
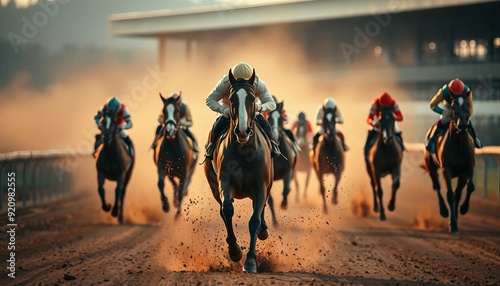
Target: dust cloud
point(61, 117)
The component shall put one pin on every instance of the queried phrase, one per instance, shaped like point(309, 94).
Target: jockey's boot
point(217, 129)
point(98, 141)
point(291, 136)
point(193, 140)
point(473, 134)
point(342, 141)
point(400, 139)
point(157, 136)
point(372, 134)
point(264, 124)
point(129, 145)
point(315, 140)
point(431, 143)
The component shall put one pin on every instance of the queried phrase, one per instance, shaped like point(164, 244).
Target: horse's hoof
point(177, 215)
point(114, 212)
point(464, 209)
point(284, 205)
point(382, 218)
point(106, 208)
point(263, 234)
point(453, 229)
point(335, 200)
point(120, 220)
point(391, 206)
point(375, 209)
point(444, 213)
point(250, 266)
point(325, 210)
point(165, 206)
point(235, 252)
point(275, 223)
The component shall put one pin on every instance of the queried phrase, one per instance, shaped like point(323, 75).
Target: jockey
point(383, 101)
point(329, 103)
point(446, 94)
point(287, 131)
point(221, 93)
point(115, 108)
point(302, 122)
point(186, 121)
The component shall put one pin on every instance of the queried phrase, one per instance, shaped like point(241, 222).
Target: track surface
point(344, 246)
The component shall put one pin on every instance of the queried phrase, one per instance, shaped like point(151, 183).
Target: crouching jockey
point(382, 102)
point(186, 121)
point(456, 88)
point(123, 121)
point(329, 103)
point(221, 93)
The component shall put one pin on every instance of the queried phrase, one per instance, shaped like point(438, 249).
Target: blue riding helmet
point(302, 116)
point(113, 105)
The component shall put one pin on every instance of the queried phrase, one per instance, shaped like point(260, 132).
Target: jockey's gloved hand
point(446, 113)
point(119, 129)
point(258, 108)
point(375, 122)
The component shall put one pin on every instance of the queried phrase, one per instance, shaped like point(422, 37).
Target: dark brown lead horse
point(384, 158)
point(455, 156)
point(174, 156)
point(113, 163)
point(328, 156)
point(242, 168)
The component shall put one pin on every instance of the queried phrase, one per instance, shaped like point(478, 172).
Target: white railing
point(35, 176)
point(483, 155)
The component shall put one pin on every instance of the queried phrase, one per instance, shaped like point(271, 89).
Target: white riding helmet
point(242, 70)
point(329, 103)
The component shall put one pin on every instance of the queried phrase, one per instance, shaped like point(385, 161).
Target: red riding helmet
point(385, 99)
point(456, 86)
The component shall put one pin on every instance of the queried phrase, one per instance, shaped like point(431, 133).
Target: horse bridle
point(232, 116)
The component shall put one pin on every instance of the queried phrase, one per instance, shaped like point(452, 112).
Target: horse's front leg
point(254, 226)
point(297, 187)
point(462, 181)
point(161, 186)
point(286, 189)
point(395, 186)
point(335, 197)
point(227, 213)
point(118, 195)
point(322, 190)
point(179, 195)
point(270, 203)
point(443, 210)
point(307, 182)
point(450, 196)
point(380, 194)
point(373, 182)
point(100, 188)
point(464, 208)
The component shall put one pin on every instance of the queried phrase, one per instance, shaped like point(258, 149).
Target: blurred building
point(422, 43)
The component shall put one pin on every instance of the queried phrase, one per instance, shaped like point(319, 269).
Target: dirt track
point(309, 248)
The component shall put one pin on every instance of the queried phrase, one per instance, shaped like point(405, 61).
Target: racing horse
point(455, 156)
point(114, 163)
point(174, 157)
point(328, 155)
point(384, 158)
point(303, 161)
point(242, 167)
point(284, 166)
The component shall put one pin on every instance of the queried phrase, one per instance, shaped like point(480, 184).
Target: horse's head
point(328, 122)
point(109, 128)
point(242, 105)
point(276, 121)
point(171, 114)
point(460, 113)
point(387, 124)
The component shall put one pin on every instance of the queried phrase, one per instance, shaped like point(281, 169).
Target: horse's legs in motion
point(443, 210)
point(286, 189)
point(337, 181)
point(259, 201)
point(395, 187)
point(161, 186)
point(307, 182)
point(464, 208)
point(100, 182)
point(122, 199)
point(322, 190)
point(263, 233)
point(270, 202)
point(450, 196)
point(178, 195)
point(373, 182)
point(380, 194)
point(227, 212)
point(118, 195)
point(462, 181)
point(297, 187)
